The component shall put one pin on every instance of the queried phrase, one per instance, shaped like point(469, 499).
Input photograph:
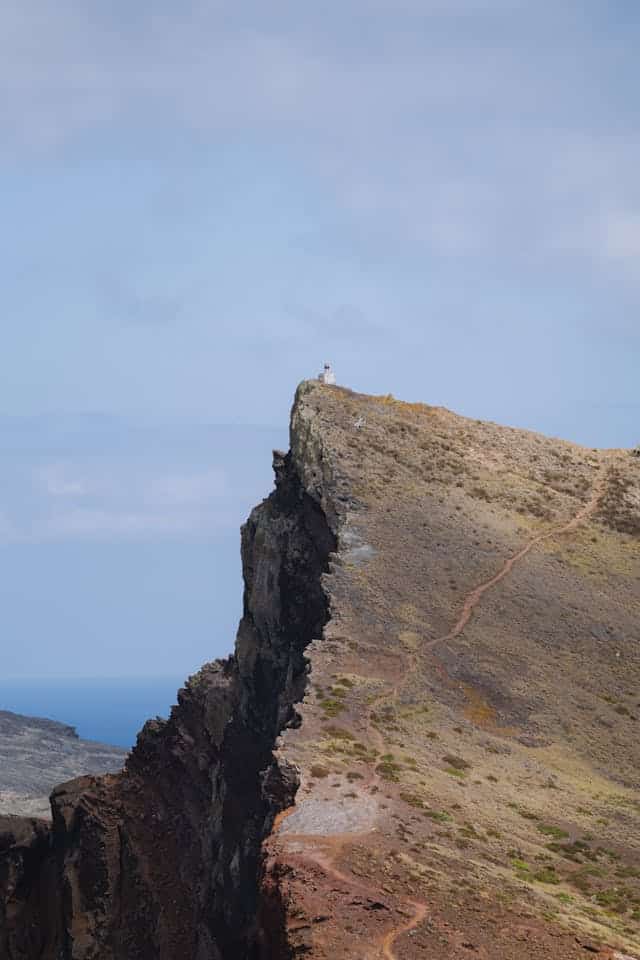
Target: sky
point(203, 201)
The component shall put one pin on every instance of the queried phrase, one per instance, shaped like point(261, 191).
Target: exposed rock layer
point(162, 861)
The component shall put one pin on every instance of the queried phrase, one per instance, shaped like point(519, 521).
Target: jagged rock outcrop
point(162, 861)
point(424, 744)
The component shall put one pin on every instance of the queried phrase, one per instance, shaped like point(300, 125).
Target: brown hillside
point(468, 743)
point(425, 744)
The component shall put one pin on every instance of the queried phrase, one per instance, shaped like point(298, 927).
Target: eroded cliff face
point(162, 862)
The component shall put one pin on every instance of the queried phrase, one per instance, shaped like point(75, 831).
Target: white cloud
point(130, 491)
point(473, 129)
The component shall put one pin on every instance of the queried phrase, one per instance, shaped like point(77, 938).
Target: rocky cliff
point(162, 861)
point(424, 744)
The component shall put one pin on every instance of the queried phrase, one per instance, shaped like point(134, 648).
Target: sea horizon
point(109, 710)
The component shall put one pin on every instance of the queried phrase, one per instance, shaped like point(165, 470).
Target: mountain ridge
point(374, 773)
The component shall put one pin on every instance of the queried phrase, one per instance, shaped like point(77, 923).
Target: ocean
point(111, 710)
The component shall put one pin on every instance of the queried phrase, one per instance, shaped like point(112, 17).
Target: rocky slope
point(425, 743)
point(36, 754)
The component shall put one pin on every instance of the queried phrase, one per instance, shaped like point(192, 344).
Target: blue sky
point(202, 202)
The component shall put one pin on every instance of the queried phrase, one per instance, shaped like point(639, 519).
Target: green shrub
point(332, 708)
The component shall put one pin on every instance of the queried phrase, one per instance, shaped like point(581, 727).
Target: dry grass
point(502, 758)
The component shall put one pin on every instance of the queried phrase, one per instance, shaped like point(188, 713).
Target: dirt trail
point(419, 909)
point(473, 599)
point(420, 913)
point(327, 865)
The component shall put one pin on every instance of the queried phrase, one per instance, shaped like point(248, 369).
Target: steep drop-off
point(425, 744)
point(162, 861)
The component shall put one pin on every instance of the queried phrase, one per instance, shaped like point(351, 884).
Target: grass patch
point(454, 772)
point(612, 900)
point(564, 897)
point(578, 851)
point(546, 875)
point(338, 733)
point(331, 707)
point(550, 831)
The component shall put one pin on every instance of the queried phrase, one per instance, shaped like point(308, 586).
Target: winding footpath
point(419, 909)
point(473, 599)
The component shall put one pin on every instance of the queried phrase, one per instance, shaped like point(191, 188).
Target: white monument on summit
point(327, 376)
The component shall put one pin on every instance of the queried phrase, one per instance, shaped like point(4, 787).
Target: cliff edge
point(425, 743)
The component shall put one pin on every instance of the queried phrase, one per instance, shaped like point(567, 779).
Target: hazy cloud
point(112, 525)
point(131, 490)
point(185, 489)
point(470, 129)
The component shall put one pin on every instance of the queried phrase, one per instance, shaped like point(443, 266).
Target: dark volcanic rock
point(30, 902)
point(161, 862)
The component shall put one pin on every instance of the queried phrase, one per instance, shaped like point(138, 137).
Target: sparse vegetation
point(551, 831)
point(464, 496)
point(319, 772)
point(458, 763)
point(331, 707)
